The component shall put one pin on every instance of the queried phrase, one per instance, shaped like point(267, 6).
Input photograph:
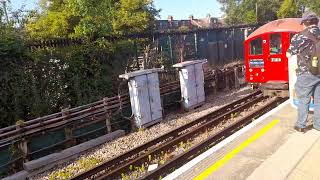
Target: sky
point(30, 4)
point(179, 9)
point(182, 9)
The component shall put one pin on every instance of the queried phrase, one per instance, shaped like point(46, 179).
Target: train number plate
point(275, 59)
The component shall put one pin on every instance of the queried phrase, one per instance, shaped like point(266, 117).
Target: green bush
point(46, 80)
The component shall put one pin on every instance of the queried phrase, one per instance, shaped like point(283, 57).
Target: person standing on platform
point(308, 82)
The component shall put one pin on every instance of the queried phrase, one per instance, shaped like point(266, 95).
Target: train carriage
point(267, 66)
point(265, 55)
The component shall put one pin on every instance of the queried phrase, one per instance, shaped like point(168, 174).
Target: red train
point(265, 55)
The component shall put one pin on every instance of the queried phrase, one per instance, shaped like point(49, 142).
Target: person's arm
point(288, 55)
point(316, 32)
point(293, 49)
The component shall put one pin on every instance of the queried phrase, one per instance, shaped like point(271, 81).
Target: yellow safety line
point(235, 151)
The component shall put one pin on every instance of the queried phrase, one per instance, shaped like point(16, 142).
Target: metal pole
point(196, 44)
point(136, 53)
point(171, 51)
point(257, 12)
point(232, 42)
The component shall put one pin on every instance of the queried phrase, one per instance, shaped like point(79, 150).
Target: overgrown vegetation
point(82, 164)
point(87, 18)
point(43, 81)
point(48, 80)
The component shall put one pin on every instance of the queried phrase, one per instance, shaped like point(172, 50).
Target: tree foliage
point(261, 11)
point(289, 8)
point(134, 16)
point(11, 73)
point(52, 24)
point(244, 11)
point(313, 5)
point(94, 17)
point(87, 18)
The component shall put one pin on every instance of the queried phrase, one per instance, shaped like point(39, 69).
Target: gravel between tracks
point(199, 138)
point(123, 144)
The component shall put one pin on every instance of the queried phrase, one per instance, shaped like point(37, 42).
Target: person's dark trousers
point(306, 86)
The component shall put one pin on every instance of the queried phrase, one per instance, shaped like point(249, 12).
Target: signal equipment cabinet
point(144, 96)
point(192, 83)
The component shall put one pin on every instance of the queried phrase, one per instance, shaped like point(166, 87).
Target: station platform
point(269, 148)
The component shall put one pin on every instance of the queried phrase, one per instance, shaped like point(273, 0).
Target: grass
point(82, 164)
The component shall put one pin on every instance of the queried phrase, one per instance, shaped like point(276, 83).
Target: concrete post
point(68, 130)
point(23, 147)
point(108, 123)
point(23, 144)
point(226, 78)
point(236, 78)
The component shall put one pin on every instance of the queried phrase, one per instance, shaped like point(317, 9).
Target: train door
point(276, 61)
point(256, 59)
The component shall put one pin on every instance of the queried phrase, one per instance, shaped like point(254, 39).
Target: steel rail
point(122, 159)
point(170, 144)
point(181, 159)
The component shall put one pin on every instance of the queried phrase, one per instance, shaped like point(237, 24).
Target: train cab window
point(275, 44)
point(256, 46)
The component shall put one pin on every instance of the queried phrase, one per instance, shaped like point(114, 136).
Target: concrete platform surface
point(280, 153)
point(285, 160)
point(309, 166)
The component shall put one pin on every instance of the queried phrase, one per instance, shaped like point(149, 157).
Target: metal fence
point(219, 45)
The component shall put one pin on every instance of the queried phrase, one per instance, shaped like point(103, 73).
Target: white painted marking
point(215, 148)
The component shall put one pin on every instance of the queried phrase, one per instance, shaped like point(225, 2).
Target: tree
point(232, 10)
point(289, 8)
point(95, 17)
point(251, 11)
point(87, 18)
point(53, 21)
point(313, 5)
point(11, 86)
point(134, 16)
point(51, 24)
point(244, 11)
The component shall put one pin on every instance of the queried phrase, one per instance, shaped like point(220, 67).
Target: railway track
point(178, 146)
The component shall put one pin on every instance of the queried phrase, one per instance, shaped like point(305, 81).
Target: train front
point(265, 55)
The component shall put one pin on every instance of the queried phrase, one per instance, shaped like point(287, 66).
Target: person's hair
point(311, 22)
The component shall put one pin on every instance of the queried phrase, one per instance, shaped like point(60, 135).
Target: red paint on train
point(265, 51)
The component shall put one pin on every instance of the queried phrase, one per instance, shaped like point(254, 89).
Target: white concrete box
point(144, 96)
point(191, 83)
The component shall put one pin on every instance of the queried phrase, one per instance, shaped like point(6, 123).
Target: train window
point(275, 44)
point(256, 46)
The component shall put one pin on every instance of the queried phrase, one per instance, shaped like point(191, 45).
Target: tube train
point(267, 66)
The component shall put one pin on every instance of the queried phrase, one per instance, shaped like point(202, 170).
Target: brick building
point(190, 24)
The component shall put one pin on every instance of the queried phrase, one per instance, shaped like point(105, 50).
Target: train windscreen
point(275, 44)
point(256, 46)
